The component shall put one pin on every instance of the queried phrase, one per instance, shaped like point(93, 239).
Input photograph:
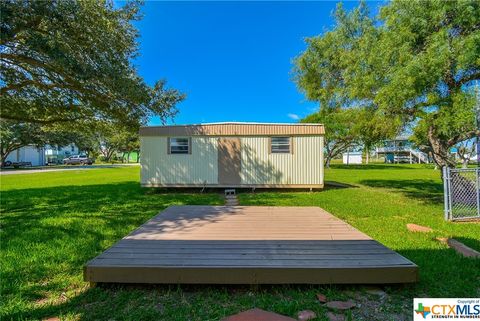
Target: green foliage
point(415, 61)
point(109, 138)
point(345, 128)
point(72, 60)
point(339, 130)
point(321, 75)
point(372, 127)
point(14, 135)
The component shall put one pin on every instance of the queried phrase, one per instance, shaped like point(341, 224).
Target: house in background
point(401, 150)
point(27, 154)
point(352, 158)
point(229, 155)
point(56, 154)
point(39, 156)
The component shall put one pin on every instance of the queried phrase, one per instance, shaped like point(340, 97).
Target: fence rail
point(461, 193)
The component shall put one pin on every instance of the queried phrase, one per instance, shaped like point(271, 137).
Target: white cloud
point(293, 116)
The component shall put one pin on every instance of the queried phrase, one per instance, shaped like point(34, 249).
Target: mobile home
point(233, 155)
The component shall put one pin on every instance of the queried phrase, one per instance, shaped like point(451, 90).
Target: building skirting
point(234, 186)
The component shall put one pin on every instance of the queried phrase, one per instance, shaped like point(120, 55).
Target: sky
point(233, 60)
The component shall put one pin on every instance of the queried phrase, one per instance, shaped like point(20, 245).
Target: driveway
point(42, 169)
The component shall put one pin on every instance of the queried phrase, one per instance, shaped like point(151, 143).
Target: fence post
point(446, 192)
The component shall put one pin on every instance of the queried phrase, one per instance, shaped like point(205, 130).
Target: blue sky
point(232, 59)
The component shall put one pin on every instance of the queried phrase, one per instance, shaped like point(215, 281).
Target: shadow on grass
point(49, 233)
point(328, 186)
point(472, 243)
point(421, 189)
point(214, 302)
point(379, 166)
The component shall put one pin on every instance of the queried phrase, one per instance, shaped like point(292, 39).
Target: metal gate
point(462, 193)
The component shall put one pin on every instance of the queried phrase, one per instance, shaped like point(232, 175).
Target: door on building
point(229, 161)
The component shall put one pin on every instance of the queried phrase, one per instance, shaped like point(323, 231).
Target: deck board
point(248, 244)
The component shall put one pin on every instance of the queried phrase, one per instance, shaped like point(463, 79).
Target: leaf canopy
point(69, 60)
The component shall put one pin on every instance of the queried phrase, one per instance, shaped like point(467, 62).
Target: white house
point(55, 155)
point(352, 158)
point(43, 155)
point(30, 154)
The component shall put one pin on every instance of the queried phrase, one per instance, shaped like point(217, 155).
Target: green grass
point(380, 201)
point(52, 223)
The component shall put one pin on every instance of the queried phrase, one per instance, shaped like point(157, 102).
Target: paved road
point(61, 169)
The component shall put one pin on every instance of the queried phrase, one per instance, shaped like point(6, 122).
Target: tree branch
point(39, 121)
point(464, 136)
point(461, 82)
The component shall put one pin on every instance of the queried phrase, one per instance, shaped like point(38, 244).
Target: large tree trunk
point(328, 159)
point(328, 155)
point(3, 157)
point(108, 155)
point(440, 150)
point(4, 152)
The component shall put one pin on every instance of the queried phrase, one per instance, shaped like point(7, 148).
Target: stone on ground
point(374, 290)
point(321, 298)
point(257, 315)
point(340, 305)
point(335, 317)
point(306, 315)
point(354, 294)
point(418, 228)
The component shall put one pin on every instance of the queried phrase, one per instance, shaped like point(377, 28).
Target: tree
point(130, 144)
point(319, 73)
point(371, 128)
point(114, 137)
point(465, 150)
point(14, 135)
point(85, 138)
point(417, 61)
point(67, 60)
point(436, 60)
point(339, 134)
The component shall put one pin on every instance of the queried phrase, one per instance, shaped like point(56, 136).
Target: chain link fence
point(462, 193)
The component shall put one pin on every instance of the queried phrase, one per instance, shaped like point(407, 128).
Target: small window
point(179, 146)
point(280, 144)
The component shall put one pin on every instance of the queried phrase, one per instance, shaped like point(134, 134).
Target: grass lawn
point(52, 223)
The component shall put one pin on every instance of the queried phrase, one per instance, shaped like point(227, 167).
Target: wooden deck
point(248, 245)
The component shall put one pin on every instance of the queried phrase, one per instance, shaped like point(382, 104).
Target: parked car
point(78, 160)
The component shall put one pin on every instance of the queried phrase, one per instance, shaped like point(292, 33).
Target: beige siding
point(161, 168)
point(303, 166)
point(258, 166)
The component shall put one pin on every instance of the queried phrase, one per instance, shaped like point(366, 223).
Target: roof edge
point(234, 123)
point(234, 129)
